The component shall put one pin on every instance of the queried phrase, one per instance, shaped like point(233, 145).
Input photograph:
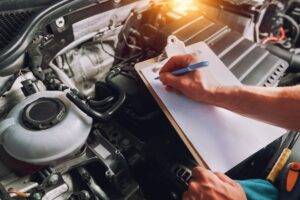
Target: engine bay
point(78, 123)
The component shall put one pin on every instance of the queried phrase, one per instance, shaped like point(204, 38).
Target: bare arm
point(278, 106)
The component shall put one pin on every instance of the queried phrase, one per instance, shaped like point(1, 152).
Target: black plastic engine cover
point(250, 63)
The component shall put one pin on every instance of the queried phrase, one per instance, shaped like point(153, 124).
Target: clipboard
point(247, 134)
point(138, 67)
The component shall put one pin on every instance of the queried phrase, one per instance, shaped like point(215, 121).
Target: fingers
point(195, 192)
point(201, 173)
point(170, 80)
point(177, 62)
point(174, 63)
point(170, 89)
point(206, 185)
point(224, 178)
point(186, 196)
point(194, 188)
point(189, 196)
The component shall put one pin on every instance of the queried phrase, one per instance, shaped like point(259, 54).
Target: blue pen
point(189, 68)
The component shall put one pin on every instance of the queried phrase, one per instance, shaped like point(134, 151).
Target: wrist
point(221, 95)
point(208, 95)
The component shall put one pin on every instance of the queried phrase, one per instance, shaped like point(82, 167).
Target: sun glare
point(183, 6)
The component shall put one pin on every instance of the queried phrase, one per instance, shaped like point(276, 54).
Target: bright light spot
point(183, 6)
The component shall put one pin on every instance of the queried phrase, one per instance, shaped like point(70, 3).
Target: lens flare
point(183, 6)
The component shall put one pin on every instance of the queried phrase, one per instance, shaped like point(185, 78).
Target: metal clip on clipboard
point(174, 47)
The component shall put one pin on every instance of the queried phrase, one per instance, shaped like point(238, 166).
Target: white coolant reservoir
point(43, 128)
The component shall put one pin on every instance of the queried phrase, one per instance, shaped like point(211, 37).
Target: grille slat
point(14, 24)
point(11, 23)
point(4, 31)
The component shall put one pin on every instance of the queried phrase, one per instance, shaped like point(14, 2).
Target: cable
point(280, 38)
point(130, 45)
point(294, 23)
point(282, 34)
point(108, 53)
point(127, 60)
point(100, 41)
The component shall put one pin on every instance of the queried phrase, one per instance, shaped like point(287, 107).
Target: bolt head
point(53, 179)
point(60, 22)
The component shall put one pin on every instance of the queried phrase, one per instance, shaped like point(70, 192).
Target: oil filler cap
point(43, 113)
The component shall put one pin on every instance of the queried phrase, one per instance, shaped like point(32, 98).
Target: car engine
point(76, 121)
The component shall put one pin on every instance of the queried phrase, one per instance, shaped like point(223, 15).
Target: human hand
point(206, 185)
point(197, 85)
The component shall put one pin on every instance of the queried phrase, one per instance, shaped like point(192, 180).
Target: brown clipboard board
point(148, 63)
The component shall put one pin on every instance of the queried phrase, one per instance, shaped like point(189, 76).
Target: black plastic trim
point(18, 46)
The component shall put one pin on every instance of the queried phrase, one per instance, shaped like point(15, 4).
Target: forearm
point(278, 106)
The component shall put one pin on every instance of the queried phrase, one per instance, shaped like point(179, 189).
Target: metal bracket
point(175, 47)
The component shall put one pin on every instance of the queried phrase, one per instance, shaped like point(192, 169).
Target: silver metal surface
point(60, 22)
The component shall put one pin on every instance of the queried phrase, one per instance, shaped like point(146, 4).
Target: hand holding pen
point(195, 84)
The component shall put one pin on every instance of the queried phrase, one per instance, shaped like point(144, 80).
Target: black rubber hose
point(291, 58)
point(87, 109)
point(100, 103)
point(140, 118)
point(120, 92)
point(82, 105)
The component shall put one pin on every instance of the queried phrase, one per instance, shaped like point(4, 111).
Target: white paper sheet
point(222, 138)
